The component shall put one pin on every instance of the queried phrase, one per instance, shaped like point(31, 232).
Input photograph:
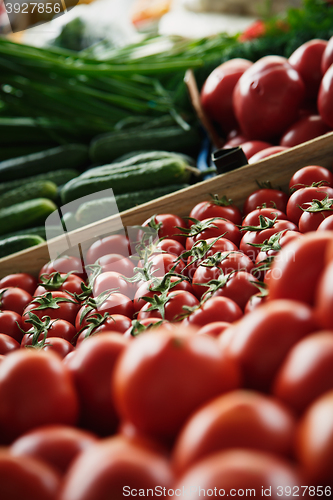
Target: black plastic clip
point(229, 159)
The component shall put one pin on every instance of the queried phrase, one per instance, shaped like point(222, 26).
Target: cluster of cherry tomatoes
point(274, 103)
point(200, 366)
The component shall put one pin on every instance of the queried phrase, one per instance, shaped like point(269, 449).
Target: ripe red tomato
point(22, 280)
point(266, 98)
point(221, 245)
point(239, 287)
point(170, 246)
point(115, 243)
point(265, 153)
point(14, 299)
point(173, 309)
point(326, 224)
point(250, 148)
point(252, 218)
point(310, 221)
point(306, 60)
point(117, 303)
point(71, 284)
point(23, 409)
point(307, 128)
point(11, 324)
point(306, 176)
point(302, 197)
point(57, 445)
point(111, 324)
point(213, 329)
point(214, 309)
point(118, 263)
point(217, 227)
point(145, 291)
point(219, 208)
point(167, 226)
point(59, 346)
point(325, 101)
point(263, 338)
point(199, 372)
point(306, 372)
point(271, 198)
point(216, 93)
point(327, 57)
point(64, 265)
point(58, 328)
point(324, 295)
point(7, 344)
point(163, 263)
point(56, 305)
point(111, 280)
point(237, 419)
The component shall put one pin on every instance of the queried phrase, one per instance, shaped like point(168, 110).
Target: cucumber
point(107, 147)
point(155, 155)
point(61, 157)
point(135, 178)
point(31, 190)
point(58, 177)
point(52, 231)
point(21, 150)
point(17, 243)
point(25, 214)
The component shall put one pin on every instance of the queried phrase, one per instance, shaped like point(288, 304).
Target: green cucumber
point(25, 214)
point(15, 244)
point(145, 176)
point(21, 150)
point(108, 147)
point(52, 232)
point(95, 210)
point(139, 157)
point(31, 190)
point(61, 157)
point(58, 177)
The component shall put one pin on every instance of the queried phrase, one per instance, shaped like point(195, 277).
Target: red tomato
point(219, 208)
point(114, 468)
point(221, 245)
point(163, 263)
point(11, 324)
point(22, 280)
point(56, 305)
point(306, 372)
point(112, 280)
point(145, 291)
point(252, 218)
point(7, 344)
point(166, 226)
point(115, 323)
point(310, 221)
point(117, 303)
point(14, 299)
point(256, 300)
point(22, 408)
point(115, 243)
point(71, 284)
point(216, 93)
point(217, 227)
point(250, 148)
point(306, 176)
point(92, 366)
point(235, 420)
point(170, 246)
point(59, 346)
point(305, 129)
point(58, 328)
point(265, 153)
point(297, 267)
point(146, 323)
point(213, 329)
point(266, 98)
point(174, 307)
point(326, 224)
point(28, 478)
point(324, 294)
point(263, 338)
point(306, 60)
point(234, 139)
point(302, 197)
point(57, 445)
point(272, 198)
point(65, 264)
point(314, 442)
point(199, 372)
point(214, 309)
point(235, 472)
point(118, 263)
point(325, 101)
point(327, 57)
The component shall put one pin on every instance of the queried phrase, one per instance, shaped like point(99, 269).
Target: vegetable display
point(201, 361)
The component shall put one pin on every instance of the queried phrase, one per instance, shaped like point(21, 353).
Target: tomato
point(306, 60)
point(28, 478)
point(297, 267)
point(306, 176)
point(210, 228)
point(115, 243)
point(235, 420)
point(59, 346)
point(111, 324)
point(139, 327)
point(114, 468)
point(167, 226)
point(56, 305)
point(64, 265)
point(111, 280)
point(326, 224)
point(250, 148)
point(174, 307)
point(216, 93)
point(239, 287)
point(11, 324)
point(307, 128)
point(310, 221)
point(221, 245)
point(263, 338)
point(216, 208)
point(327, 57)
point(118, 263)
point(199, 372)
point(213, 329)
point(256, 300)
point(92, 366)
point(325, 101)
point(306, 372)
point(145, 291)
point(266, 98)
point(7, 344)
point(22, 408)
point(116, 303)
point(301, 199)
point(237, 473)
point(22, 280)
point(170, 246)
point(61, 282)
point(324, 295)
point(163, 263)
point(57, 328)
point(235, 138)
point(57, 445)
point(14, 299)
point(252, 218)
point(265, 153)
point(214, 309)
point(314, 442)
point(272, 198)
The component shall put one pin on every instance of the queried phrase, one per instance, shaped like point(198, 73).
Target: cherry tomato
point(235, 420)
point(11, 324)
point(324, 295)
point(302, 197)
point(173, 309)
point(115, 243)
point(115, 323)
point(327, 57)
point(266, 98)
point(263, 338)
point(22, 408)
point(145, 291)
point(214, 309)
point(58, 328)
point(272, 198)
point(22, 280)
point(147, 323)
point(221, 245)
point(116, 303)
point(239, 287)
point(7, 344)
point(213, 329)
point(306, 60)
point(306, 372)
point(307, 128)
point(170, 246)
point(252, 218)
point(199, 372)
point(14, 299)
point(56, 305)
point(220, 208)
point(118, 263)
point(256, 300)
point(71, 284)
point(326, 224)
point(111, 280)
point(64, 265)
point(59, 346)
point(56, 445)
point(325, 101)
point(167, 226)
point(235, 138)
point(310, 221)
point(216, 93)
point(163, 263)
point(217, 227)
point(250, 148)
point(265, 153)
point(306, 176)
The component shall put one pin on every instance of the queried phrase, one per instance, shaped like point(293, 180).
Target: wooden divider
point(237, 185)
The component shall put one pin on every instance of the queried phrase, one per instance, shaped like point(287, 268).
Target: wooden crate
point(237, 185)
